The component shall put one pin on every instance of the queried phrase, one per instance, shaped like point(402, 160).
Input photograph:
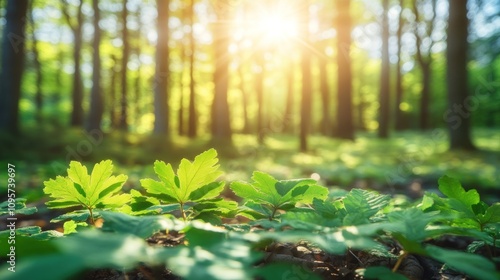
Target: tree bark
point(76, 27)
point(244, 98)
point(124, 73)
point(383, 130)
point(306, 102)
point(96, 99)
point(193, 116)
point(113, 118)
point(456, 117)
point(12, 65)
point(345, 125)
point(161, 125)
point(326, 123)
point(288, 119)
point(259, 88)
point(221, 126)
point(38, 67)
point(398, 113)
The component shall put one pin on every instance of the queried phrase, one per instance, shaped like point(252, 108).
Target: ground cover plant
point(184, 226)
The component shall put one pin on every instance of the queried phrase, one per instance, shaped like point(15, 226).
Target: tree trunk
point(162, 74)
point(345, 125)
point(326, 124)
point(221, 126)
point(126, 52)
point(193, 116)
point(113, 118)
point(244, 98)
point(96, 99)
point(457, 119)
point(180, 116)
point(398, 113)
point(38, 67)
point(425, 99)
point(259, 88)
point(77, 98)
point(288, 119)
point(138, 78)
point(12, 65)
point(306, 102)
point(383, 130)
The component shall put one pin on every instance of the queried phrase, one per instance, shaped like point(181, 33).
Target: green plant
point(99, 190)
point(266, 196)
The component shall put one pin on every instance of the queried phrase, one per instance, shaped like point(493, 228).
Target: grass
point(366, 162)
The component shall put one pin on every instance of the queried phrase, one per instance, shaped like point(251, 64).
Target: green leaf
point(19, 206)
point(362, 205)
point(452, 188)
point(194, 180)
point(77, 216)
point(98, 190)
point(476, 266)
point(143, 226)
point(72, 226)
point(284, 271)
point(492, 214)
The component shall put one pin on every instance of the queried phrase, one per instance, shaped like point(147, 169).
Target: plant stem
point(182, 212)
point(400, 260)
point(92, 222)
point(272, 215)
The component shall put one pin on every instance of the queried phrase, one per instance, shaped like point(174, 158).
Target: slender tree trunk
point(38, 66)
point(244, 98)
point(221, 126)
point(259, 88)
point(138, 78)
point(161, 125)
point(12, 65)
point(425, 99)
point(113, 118)
point(180, 116)
point(96, 98)
point(457, 118)
point(306, 102)
point(326, 124)
point(77, 98)
point(383, 131)
point(59, 71)
point(288, 119)
point(193, 116)
point(398, 113)
point(124, 77)
point(345, 125)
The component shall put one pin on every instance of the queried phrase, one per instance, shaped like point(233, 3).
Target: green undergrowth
point(111, 224)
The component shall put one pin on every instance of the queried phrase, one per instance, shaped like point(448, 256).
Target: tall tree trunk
point(221, 126)
point(244, 98)
point(76, 27)
point(425, 99)
point(259, 88)
point(383, 130)
point(193, 116)
point(398, 113)
point(12, 65)
point(113, 118)
point(288, 119)
point(456, 64)
point(161, 125)
point(126, 52)
point(138, 78)
point(326, 123)
point(180, 117)
point(96, 99)
point(38, 66)
point(306, 102)
point(345, 125)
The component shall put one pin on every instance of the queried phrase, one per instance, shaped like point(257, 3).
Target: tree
point(113, 118)
point(161, 109)
point(288, 119)
point(125, 56)
point(423, 32)
point(306, 102)
point(345, 126)
point(12, 65)
point(193, 116)
point(456, 61)
point(221, 126)
point(96, 99)
point(384, 100)
point(76, 28)
point(398, 113)
point(37, 63)
point(259, 88)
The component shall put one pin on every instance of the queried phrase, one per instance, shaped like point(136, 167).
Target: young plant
point(266, 196)
point(193, 190)
point(99, 190)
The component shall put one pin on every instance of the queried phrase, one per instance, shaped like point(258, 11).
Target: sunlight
point(276, 28)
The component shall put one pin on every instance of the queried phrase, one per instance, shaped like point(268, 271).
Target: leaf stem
point(400, 261)
point(182, 212)
point(272, 215)
point(91, 217)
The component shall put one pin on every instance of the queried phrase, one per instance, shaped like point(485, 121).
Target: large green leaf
point(452, 188)
point(361, 205)
point(143, 226)
point(98, 190)
point(19, 207)
point(194, 180)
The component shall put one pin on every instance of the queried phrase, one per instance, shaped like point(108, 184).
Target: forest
point(388, 111)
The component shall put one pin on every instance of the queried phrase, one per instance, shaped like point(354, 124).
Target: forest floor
point(407, 164)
